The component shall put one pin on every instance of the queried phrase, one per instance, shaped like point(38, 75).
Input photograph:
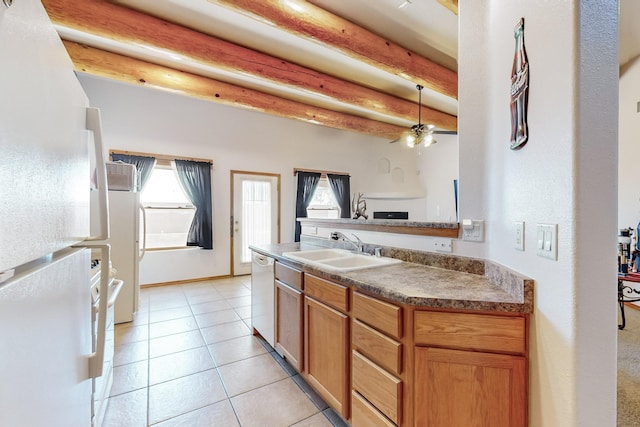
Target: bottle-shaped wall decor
point(519, 90)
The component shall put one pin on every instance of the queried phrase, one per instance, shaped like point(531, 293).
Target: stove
point(102, 385)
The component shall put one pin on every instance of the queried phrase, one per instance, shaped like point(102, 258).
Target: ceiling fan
point(421, 134)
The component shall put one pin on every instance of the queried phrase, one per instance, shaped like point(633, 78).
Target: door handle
point(143, 249)
point(96, 359)
point(94, 124)
point(117, 287)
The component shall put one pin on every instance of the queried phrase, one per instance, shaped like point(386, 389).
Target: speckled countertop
point(427, 279)
point(386, 222)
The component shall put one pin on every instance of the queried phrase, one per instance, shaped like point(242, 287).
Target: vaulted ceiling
point(350, 65)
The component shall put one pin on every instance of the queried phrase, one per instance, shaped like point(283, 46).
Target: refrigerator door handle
point(117, 287)
point(143, 248)
point(96, 359)
point(94, 124)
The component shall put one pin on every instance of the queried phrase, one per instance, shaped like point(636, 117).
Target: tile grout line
point(268, 348)
point(215, 365)
point(148, 358)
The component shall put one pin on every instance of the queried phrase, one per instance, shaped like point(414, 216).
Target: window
point(168, 211)
point(323, 204)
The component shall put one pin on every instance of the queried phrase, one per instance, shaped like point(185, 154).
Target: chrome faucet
point(336, 235)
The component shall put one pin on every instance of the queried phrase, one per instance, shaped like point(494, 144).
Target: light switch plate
point(473, 230)
point(547, 241)
point(442, 245)
point(518, 232)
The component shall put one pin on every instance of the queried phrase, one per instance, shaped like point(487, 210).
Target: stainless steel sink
point(339, 259)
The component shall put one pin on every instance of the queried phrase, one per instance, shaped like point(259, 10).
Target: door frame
point(232, 175)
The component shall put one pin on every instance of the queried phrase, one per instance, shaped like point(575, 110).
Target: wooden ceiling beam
point(126, 69)
point(307, 20)
point(119, 23)
point(452, 5)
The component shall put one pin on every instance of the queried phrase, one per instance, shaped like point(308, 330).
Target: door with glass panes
point(255, 215)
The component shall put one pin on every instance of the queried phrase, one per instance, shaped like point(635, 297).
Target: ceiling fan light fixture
point(407, 138)
point(428, 140)
point(410, 140)
point(421, 134)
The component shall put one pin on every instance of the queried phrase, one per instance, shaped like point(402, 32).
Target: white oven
point(101, 387)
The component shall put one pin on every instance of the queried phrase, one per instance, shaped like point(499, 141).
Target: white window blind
point(256, 215)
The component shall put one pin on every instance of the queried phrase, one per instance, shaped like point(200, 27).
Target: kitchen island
point(435, 340)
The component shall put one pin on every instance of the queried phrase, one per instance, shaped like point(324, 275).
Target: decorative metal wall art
point(519, 90)
point(359, 207)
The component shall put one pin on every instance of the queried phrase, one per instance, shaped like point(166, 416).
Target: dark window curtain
point(340, 185)
point(144, 166)
point(195, 178)
point(307, 183)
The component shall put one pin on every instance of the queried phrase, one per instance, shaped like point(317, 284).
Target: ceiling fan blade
point(395, 140)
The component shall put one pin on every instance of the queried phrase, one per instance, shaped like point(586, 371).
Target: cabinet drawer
point(378, 347)
point(379, 314)
point(290, 276)
point(333, 294)
point(379, 387)
point(471, 331)
point(363, 414)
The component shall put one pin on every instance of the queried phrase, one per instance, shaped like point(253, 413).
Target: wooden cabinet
point(327, 344)
point(470, 389)
point(332, 294)
point(383, 364)
point(376, 385)
point(481, 332)
point(385, 351)
point(377, 362)
point(289, 312)
point(364, 413)
point(381, 315)
point(480, 380)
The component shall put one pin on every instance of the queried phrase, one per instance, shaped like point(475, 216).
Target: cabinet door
point(469, 389)
point(289, 324)
point(327, 353)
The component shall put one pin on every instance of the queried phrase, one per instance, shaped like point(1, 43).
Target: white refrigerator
point(46, 128)
point(126, 216)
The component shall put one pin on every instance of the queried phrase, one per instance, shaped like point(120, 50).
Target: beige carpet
point(629, 371)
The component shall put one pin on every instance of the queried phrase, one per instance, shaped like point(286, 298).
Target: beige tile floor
point(189, 359)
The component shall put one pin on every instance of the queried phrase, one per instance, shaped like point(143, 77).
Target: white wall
point(431, 196)
point(566, 175)
point(438, 169)
point(152, 121)
point(629, 146)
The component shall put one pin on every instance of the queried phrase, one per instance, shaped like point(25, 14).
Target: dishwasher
point(262, 297)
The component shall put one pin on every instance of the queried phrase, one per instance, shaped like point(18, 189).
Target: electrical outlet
point(473, 230)
point(518, 231)
point(442, 245)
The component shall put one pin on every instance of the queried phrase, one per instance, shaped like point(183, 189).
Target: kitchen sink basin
point(317, 254)
point(339, 259)
point(357, 262)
